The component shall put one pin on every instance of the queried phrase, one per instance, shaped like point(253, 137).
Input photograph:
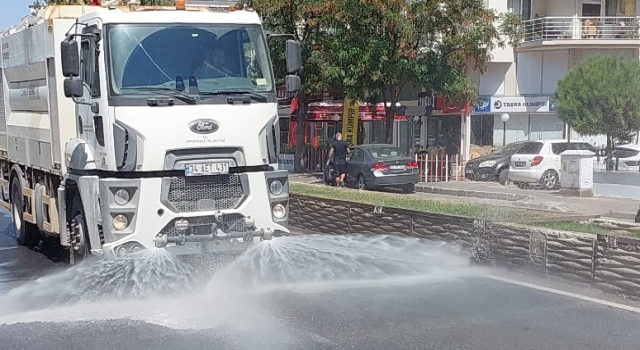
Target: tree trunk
point(389, 120)
point(303, 101)
point(609, 152)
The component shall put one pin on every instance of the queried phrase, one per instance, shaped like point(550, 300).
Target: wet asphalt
point(471, 312)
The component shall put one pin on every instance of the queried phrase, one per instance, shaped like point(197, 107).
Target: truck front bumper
point(187, 215)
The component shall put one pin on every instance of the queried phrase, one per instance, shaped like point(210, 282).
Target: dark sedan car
point(494, 166)
point(378, 165)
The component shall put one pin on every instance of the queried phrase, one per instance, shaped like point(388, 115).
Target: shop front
point(324, 120)
point(500, 120)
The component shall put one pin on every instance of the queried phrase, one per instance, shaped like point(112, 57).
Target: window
point(357, 155)
point(558, 148)
point(482, 130)
point(386, 152)
point(510, 148)
point(514, 6)
point(90, 67)
point(530, 148)
point(219, 56)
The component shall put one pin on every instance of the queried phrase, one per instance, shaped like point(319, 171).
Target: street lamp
point(505, 119)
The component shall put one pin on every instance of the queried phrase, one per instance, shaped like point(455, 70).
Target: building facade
point(558, 34)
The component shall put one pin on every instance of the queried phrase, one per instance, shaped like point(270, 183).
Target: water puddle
point(156, 287)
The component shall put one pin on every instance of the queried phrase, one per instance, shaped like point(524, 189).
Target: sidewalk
point(621, 208)
point(511, 196)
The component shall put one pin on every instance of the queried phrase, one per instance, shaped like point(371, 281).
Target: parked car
point(379, 165)
point(539, 162)
point(627, 156)
point(494, 166)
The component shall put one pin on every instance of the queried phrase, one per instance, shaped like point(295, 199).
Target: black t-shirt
point(339, 151)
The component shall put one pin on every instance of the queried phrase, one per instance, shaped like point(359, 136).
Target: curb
point(471, 193)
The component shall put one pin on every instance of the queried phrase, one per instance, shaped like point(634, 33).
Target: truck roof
point(196, 12)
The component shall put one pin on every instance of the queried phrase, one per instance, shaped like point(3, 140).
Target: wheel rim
point(77, 222)
point(549, 180)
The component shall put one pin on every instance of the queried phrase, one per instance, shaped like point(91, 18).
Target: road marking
point(7, 248)
point(567, 294)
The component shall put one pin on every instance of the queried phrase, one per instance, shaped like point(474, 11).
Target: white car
point(539, 162)
point(628, 156)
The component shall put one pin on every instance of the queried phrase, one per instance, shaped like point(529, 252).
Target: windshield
point(530, 148)
point(509, 149)
point(219, 57)
point(386, 152)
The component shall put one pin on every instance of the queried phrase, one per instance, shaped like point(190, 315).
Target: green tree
point(381, 47)
point(306, 21)
point(600, 96)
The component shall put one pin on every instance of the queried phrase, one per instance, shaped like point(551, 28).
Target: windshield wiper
point(166, 91)
point(254, 96)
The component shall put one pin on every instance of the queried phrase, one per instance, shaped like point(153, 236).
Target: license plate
point(397, 167)
point(520, 164)
point(469, 171)
point(200, 169)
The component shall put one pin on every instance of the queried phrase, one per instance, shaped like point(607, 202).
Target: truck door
point(93, 117)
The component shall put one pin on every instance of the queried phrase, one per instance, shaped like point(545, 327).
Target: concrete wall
point(607, 262)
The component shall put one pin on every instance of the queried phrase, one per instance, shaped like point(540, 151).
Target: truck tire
point(77, 218)
point(27, 234)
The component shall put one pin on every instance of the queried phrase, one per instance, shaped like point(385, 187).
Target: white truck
point(124, 127)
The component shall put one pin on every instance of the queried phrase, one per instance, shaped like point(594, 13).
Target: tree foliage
point(381, 47)
point(306, 21)
point(601, 95)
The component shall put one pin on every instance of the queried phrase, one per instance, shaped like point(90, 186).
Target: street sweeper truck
point(125, 128)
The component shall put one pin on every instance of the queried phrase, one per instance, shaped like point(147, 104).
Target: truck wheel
point(27, 234)
point(78, 220)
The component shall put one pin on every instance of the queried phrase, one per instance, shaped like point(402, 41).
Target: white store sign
point(521, 104)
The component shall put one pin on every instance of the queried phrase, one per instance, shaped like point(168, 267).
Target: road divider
point(610, 263)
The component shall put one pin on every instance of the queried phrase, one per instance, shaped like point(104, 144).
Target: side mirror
point(73, 87)
point(293, 83)
point(293, 55)
point(70, 56)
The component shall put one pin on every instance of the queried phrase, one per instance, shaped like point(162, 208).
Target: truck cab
point(176, 132)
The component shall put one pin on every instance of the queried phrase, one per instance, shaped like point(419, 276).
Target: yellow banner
point(350, 122)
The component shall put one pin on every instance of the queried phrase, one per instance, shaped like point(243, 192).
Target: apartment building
point(519, 82)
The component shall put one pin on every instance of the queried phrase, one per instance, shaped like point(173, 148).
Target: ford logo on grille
point(203, 126)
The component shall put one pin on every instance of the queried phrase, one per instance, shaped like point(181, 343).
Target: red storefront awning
point(332, 111)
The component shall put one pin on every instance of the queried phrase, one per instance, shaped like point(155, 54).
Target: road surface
point(455, 307)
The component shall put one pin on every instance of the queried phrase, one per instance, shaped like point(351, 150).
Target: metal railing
point(440, 167)
point(581, 28)
point(616, 164)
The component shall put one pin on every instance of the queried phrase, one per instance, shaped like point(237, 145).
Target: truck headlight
point(276, 187)
point(279, 211)
point(120, 222)
point(121, 197)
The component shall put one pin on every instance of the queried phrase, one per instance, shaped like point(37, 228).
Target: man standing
point(339, 150)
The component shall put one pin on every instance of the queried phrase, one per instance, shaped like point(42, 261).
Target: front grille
point(230, 222)
point(222, 191)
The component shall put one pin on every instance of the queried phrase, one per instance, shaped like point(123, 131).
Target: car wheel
point(362, 185)
point(503, 176)
point(408, 188)
point(549, 180)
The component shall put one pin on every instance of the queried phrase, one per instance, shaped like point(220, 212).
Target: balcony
point(581, 32)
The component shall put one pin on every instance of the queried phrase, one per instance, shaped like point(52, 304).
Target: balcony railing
point(581, 28)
